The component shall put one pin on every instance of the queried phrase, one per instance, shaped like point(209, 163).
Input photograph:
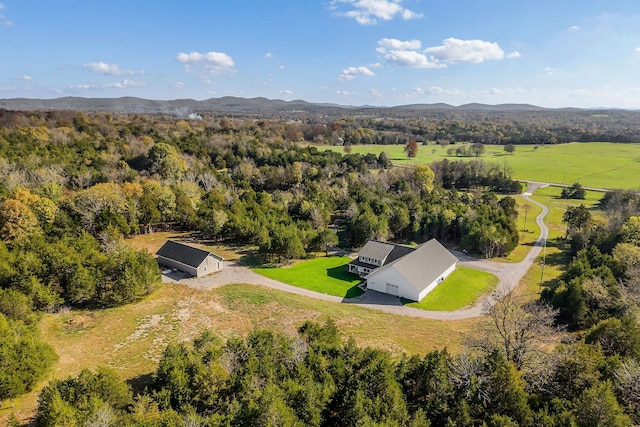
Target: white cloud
point(5, 22)
point(411, 58)
point(115, 85)
point(178, 85)
point(352, 72)
point(281, 67)
point(370, 12)
point(384, 45)
point(514, 54)
point(268, 55)
point(206, 65)
point(344, 93)
point(574, 28)
point(455, 50)
point(110, 69)
point(551, 71)
point(437, 90)
point(408, 15)
point(25, 77)
point(503, 91)
point(125, 84)
point(405, 53)
point(376, 93)
point(286, 92)
point(637, 49)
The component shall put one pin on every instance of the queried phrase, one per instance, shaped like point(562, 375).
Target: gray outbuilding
point(188, 259)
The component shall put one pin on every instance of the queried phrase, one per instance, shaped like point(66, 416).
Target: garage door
point(392, 289)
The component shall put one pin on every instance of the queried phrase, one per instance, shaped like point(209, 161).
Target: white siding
point(209, 265)
point(436, 282)
point(178, 265)
point(378, 281)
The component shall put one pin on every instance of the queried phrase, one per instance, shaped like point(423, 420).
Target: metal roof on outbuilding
point(184, 254)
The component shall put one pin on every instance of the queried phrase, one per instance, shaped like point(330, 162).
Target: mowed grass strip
point(323, 275)
point(462, 288)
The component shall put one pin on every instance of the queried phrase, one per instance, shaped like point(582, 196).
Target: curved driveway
point(509, 276)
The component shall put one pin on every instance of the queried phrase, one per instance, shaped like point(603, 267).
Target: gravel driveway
point(509, 276)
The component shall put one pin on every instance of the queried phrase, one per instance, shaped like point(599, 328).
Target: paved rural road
point(509, 275)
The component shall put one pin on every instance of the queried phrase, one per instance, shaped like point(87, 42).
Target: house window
point(205, 268)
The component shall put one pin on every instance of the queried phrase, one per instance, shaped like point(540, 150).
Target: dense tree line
point(391, 127)
point(600, 287)
point(316, 378)
point(238, 180)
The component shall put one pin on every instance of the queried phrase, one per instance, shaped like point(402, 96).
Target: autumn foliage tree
point(411, 148)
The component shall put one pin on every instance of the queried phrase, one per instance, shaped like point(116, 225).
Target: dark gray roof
point(376, 250)
point(398, 252)
point(387, 252)
point(184, 254)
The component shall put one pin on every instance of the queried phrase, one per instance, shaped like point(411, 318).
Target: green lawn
point(324, 275)
point(593, 164)
point(460, 289)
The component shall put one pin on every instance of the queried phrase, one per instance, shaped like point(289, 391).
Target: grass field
point(593, 164)
point(462, 288)
point(130, 339)
point(323, 275)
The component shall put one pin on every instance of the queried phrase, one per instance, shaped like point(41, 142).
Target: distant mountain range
point(247, 107)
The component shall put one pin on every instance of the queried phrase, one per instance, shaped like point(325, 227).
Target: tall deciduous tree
point(411, 148)
point(424, 177)
point(519, 331)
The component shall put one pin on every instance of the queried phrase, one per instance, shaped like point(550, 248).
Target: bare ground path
point(509, 276)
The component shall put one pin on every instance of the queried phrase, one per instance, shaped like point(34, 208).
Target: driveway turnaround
point(509, 276)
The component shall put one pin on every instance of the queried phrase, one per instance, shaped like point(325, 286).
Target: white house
point(193, 261)
point(411, 275)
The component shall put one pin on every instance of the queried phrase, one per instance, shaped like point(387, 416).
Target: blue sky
point(552, 53)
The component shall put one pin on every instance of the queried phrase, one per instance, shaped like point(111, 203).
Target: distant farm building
point(402, 271)
point(192, 261)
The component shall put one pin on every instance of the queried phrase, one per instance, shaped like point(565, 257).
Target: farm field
point(323, 275)
point(593, 164)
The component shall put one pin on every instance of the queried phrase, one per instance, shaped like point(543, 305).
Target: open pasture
point(593, 164)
